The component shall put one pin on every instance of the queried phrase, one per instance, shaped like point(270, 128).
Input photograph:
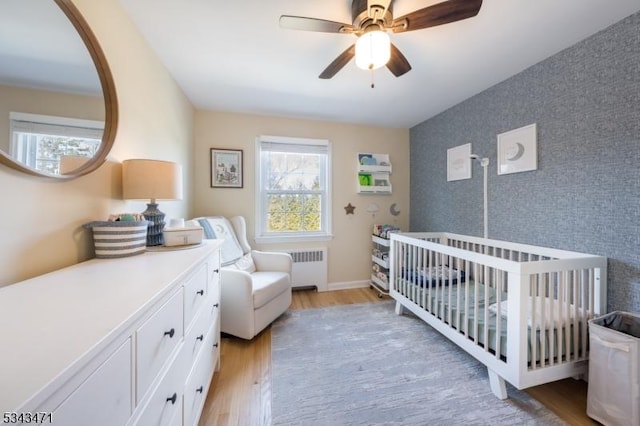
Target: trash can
point(613, 396)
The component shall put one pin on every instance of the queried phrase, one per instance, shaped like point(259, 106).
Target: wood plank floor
point(240, 392)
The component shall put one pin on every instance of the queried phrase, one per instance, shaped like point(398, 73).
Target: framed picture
point(226, 168)
point(517, 150)
point(459, 162)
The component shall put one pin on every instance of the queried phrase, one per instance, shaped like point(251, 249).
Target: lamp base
point(156, 225)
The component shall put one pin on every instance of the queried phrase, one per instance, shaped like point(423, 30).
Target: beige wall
point(13, 99)
point(350, 250)
point(41, 219)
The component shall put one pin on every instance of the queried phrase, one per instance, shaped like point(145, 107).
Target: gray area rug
point(364, 365)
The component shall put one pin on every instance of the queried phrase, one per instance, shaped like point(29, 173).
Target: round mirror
point(58, 107)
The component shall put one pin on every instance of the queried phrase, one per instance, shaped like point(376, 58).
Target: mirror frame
point(108, 93)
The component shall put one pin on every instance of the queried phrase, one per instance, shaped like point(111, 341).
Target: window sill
point(276, 239)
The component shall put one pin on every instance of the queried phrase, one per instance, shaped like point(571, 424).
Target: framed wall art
point(459, 162)
point(517, 150)
point(226, 168)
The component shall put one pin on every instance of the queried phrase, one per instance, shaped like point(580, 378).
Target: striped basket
point(119, 239)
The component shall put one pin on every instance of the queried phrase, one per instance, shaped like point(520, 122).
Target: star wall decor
point(349, 209)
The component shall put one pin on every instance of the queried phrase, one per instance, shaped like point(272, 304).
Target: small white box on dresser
point(182, 236)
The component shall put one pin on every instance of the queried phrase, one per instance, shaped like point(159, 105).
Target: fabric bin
point(614, 369)
point(119, 238)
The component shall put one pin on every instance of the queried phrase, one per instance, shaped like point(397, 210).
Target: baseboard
point(345, 285)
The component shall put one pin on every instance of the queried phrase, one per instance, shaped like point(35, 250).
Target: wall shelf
point(380, 264)
point(380, 257)
point(373, 173)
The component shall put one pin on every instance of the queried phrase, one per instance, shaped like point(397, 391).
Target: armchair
point(255, 285)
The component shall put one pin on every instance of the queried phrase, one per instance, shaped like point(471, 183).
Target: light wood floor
point(240, 392)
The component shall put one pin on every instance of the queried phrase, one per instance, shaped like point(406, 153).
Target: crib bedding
point(445, 302)
point(438, 303)
point(434, 275)
point(551, 309)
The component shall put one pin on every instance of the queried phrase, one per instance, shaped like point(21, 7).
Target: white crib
point(519, 309)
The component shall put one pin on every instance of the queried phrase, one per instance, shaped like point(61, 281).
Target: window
point(293, 189)
point(41, 141)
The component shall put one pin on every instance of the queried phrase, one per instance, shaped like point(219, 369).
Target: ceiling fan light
point(373, 50)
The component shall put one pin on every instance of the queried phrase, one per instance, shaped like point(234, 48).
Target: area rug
point(364, 365)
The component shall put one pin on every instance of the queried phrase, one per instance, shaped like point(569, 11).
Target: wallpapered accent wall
point(585, 195)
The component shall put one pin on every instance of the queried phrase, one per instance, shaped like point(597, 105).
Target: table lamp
point(152, 180)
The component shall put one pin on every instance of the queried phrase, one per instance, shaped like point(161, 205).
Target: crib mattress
point(472, 313)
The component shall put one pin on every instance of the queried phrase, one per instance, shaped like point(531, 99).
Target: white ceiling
point(232, 56)
point(40, 49)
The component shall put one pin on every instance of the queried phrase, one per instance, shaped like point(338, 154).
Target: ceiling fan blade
point(313, 24)
point(438, 14)
point(338, 63)
point(398, 64)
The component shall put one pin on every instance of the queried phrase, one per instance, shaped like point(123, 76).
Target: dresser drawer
point(197, 386)
point(177, 419)
point(214, 309)
point(104, 398)
point(195, 293)
point(214, 270)
point(214, 280)
point(166, 400)
point(156, 339)
point(202, 325)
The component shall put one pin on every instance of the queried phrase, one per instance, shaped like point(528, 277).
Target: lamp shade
point(151, 179)
point(373, 50)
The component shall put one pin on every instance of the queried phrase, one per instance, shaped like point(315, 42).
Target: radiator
point(309, 268)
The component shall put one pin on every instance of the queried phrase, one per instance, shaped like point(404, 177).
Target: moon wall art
point(517, 150)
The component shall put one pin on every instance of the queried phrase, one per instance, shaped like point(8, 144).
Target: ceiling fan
point(377, 16)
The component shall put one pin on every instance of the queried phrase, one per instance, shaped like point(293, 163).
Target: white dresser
point(130, 341)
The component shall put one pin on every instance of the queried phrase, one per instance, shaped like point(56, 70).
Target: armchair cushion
point(267, 286)
point(217, 227)
point(245, 263)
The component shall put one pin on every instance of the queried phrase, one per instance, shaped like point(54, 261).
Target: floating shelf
point(373, 173)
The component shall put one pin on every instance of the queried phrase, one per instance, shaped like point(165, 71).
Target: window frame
point(31, 126)
point(261, 234)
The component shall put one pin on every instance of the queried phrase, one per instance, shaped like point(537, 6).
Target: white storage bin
point(614, 369)
point(180, 236)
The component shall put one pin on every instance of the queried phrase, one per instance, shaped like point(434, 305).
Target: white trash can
point(614, 369)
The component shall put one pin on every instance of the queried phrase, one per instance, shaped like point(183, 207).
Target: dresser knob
point(215, 345)
point(200, 292)
point(200, 389)
point(170, 333)
point(200, 337)
point(173, 398)
point(216, 270)
point(215, 305)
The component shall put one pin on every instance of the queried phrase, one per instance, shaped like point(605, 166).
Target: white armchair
point(255, 285)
